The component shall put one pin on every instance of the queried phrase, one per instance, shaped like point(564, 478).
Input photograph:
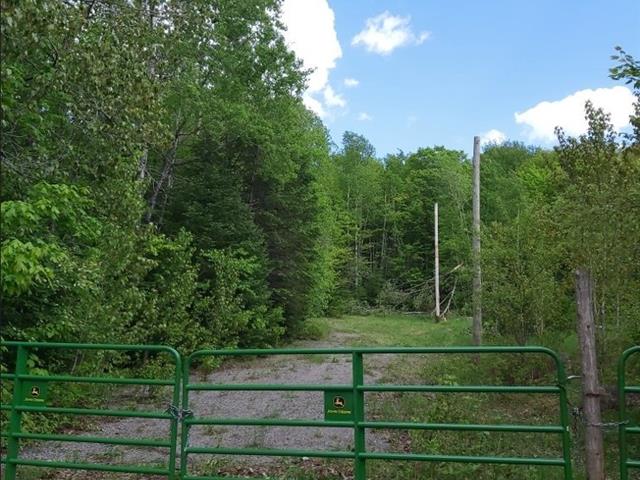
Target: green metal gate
point(626, 426)
point(351, 398)
point(30, 395)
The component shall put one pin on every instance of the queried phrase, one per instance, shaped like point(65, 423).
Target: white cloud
point(364, 117)
point(568, 113)
point(314, 105)
point(311, 34)
point(412, 120)
point(332, 99)
point(492, 136)
point(351, 82)
point(386, 32)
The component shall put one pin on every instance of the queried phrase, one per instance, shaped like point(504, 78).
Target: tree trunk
point(165, 176)
point(142, 165)
point(383, 243)
point(356, 254)
point(591, 391)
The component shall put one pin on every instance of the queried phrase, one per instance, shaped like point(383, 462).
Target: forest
point(163, 183)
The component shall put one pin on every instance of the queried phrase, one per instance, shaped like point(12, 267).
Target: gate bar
point(21, 375)
point(267, 422)
point(359, 425)
point(89, 439)
point(625, 462)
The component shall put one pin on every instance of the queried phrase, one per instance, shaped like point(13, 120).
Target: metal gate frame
point(21, 377)
point(625, 427)
point(360, 425)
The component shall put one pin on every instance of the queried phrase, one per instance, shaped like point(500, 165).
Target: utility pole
point(477, 269)
point(437, 260)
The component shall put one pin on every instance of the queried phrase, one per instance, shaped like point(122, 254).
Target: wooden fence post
point(591, 391)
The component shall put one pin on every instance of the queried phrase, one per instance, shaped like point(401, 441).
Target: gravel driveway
point(285, 369)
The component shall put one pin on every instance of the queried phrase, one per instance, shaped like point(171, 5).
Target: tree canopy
point(163, 182)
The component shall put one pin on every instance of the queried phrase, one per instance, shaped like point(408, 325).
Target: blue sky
point(439, 72)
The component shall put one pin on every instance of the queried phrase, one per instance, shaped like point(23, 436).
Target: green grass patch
point(453, 369)
point(313, 329)
point(317, 358)
point(398, 330)
point(464, 408)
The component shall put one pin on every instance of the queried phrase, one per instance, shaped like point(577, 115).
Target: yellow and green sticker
point(35, 391)
point(338, 405)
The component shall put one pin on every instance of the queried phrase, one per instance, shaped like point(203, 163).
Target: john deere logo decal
point(35, 391)
point(338, 405)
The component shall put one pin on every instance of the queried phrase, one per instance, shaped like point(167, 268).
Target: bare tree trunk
point(477, 270)
point(453, 292)
point(150, 10)
point(591, 391)
point(165, 176)
point(383, 243)
point(142, 165)
point(437, 261)
point(356, 254)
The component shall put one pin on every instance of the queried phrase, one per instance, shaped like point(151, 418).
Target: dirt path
point(308, 369)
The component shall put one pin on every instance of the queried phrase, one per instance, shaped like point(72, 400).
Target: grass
point(286, 469)
point(318, 359)
point(402, 330)
point(397, 330)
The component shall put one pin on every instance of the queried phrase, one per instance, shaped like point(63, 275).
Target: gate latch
point(178, 413)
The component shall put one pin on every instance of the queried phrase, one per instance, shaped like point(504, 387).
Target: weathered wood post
point(594, 451)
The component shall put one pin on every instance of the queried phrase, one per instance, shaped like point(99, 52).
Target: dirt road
point(307, 369)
